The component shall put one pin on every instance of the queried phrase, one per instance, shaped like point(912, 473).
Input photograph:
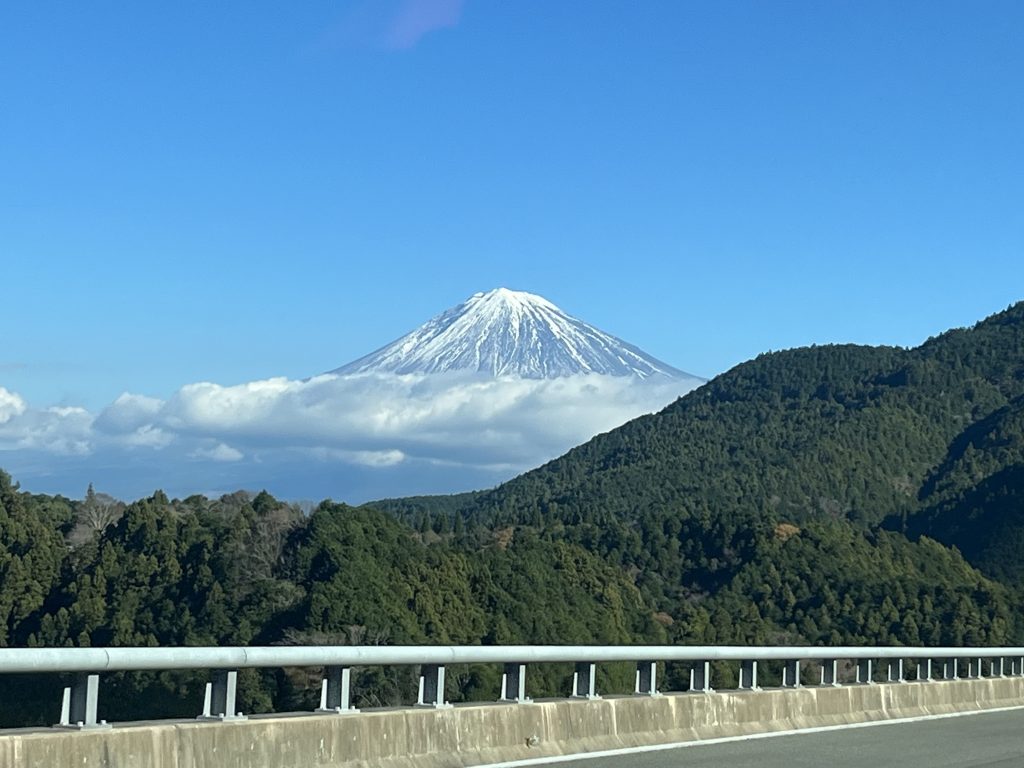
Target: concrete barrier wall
point(478, 734)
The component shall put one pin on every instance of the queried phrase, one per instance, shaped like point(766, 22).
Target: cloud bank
point(350, 437)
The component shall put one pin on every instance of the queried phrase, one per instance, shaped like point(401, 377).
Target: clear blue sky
point(230, 191)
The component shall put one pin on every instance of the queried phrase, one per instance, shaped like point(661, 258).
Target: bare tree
point(93, 515)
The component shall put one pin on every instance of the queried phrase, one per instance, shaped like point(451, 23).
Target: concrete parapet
point(478, 734)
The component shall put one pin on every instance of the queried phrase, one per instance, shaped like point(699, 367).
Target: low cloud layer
point(350, 437)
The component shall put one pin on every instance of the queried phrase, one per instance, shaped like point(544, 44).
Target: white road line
point(554, 759)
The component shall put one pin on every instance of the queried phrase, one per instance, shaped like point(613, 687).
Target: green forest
point(825, 495)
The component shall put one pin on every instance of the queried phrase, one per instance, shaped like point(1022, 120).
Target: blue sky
point(233, 191)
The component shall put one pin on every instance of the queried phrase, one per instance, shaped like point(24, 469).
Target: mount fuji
point(503, 333)
point(497, 385)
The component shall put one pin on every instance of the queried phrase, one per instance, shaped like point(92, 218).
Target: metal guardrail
point(79, 706)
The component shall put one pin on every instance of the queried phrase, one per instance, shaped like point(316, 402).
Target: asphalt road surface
point(992, 740)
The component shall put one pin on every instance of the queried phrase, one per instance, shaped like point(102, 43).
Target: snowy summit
point(511, 333)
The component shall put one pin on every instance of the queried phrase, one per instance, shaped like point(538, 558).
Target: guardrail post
point(830, 672)
point(647, 678)
point(995, 667)
point(748, 675)
point(1016, 665)
point(791, 674)
point(336, 691)
point(584, 681)
point(950, 669)
point(431, 690)
point(219, 700)
point(700, 677)
point(78, 707)
point(974, 668)
point(894, 671)
point(864, 671)
point(924, 670)
point(513, 684)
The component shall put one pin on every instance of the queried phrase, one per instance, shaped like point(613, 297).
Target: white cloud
point(128, 413)
point(11, 405)
point(218, 452)
point(470, 419)
point(482, 427)
point(360, 458)
point(146, 436)
point(61, 430)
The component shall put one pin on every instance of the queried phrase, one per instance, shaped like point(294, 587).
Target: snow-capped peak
point(511, 333)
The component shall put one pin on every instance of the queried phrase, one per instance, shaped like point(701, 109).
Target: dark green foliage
point(361, 568)
point(974, 500)
point(744, 511)
point(251, 570)
point(31, 558)
point(410, 508)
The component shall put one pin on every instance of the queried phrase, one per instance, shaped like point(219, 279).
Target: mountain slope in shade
point(511, 333)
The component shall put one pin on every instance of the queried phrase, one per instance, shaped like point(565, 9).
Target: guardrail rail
point(80, 699)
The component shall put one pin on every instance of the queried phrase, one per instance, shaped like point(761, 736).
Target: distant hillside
point(760, 490)
point(413, 509)
point(975, 498)
point(836, 431)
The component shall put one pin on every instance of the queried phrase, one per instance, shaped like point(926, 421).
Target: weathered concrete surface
point(474, 735)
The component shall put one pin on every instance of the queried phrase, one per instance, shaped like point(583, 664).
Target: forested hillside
point(769, 506)
point(252, 570)
point(838, 431)
point(761, 494)
point(974, 499)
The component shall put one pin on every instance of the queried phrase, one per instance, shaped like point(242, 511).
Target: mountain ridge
point(848, 384)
